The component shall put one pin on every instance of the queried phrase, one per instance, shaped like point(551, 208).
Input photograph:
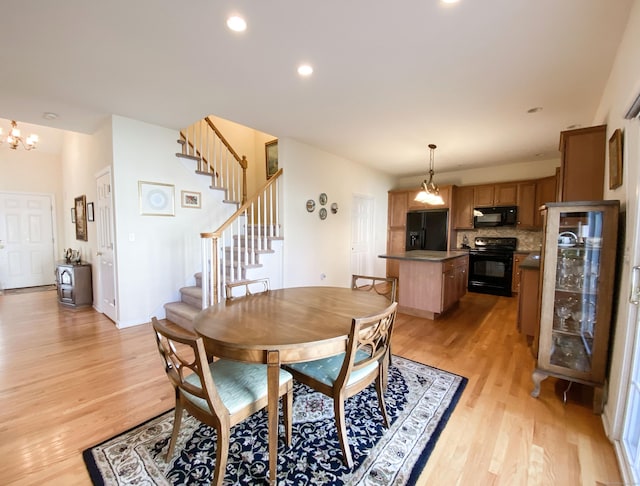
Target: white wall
point(311, 246)
point(622, 88)
point(503, 173)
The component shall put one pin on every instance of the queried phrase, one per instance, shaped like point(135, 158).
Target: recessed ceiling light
point(47, 115)
point(237, 24)
point(571, 127)
point(535, 109)
point(305, 70)
point(450, 1)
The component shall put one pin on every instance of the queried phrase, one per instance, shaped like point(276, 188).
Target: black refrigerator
point(427, 230)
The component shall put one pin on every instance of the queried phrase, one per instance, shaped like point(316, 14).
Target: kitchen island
point(430, 282)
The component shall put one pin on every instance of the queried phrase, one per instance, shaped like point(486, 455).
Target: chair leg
point(341, 425)
point(177, 420)
point(287, 410)
point(380, 384)
point(222, 454)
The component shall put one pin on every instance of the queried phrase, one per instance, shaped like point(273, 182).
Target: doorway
point(27, 253)
point(106, 281)
point(362, 235)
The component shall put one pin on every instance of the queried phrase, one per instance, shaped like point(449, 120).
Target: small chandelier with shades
point(430, 194)
point(14, 139)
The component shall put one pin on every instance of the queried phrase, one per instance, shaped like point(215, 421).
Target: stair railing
point(229, 250)
point(205, 144)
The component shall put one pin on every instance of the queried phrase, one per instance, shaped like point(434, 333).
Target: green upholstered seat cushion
point(326, 370)
point(238, 384)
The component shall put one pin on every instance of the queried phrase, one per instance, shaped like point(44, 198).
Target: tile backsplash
point(528, 240)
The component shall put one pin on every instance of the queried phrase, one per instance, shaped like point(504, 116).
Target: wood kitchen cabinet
point(430, 285)
point(463, 207)
point(518, 258)
point(397, 227)
point(546, 191)
point(528, 308)
point(582, 164)
point(74, 284)
point(527, 205)
point(503, 194)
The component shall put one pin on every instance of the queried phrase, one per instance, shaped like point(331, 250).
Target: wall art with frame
point(156, 198)
point(615, 159)
point(80, 207)
point(271, 157)
point(190, 199)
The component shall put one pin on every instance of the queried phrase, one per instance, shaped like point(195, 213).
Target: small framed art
point(156, 199)
point(190, 199)
point(271, 157)
point(80, 207)
point(90, 215)
point(615, 159)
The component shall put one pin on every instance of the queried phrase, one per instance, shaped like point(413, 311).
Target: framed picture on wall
point(90, 215)
point(615, 159)
point(271, 157)
point(156, 199)
point(190, 199)
point(81, 217)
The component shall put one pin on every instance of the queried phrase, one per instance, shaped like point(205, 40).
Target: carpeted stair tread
point(181, 314)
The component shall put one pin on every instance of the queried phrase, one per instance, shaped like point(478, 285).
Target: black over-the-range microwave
point(496, 216)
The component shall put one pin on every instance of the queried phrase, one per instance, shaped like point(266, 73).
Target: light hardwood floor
point(69, 379)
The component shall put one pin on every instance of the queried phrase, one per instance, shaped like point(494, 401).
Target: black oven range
point(491, 265)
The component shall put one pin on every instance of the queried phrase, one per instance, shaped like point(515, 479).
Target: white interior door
point(106, 268)
point(362, 235)
point(26, 240)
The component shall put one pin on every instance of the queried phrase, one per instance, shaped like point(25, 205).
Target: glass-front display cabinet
point(578, 264)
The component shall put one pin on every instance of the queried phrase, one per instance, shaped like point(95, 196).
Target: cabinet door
point(463, 207)
point(515, 276)
point(546, 191)
point(484, 195)
point(526, 205)
point(449, 288)
point(582, 165)
point(395, 244)
point(506, 194)
point(397, 208)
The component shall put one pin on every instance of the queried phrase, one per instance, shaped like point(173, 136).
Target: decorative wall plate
point(323, 213)
point(334, 208)
point(311, 205)
point(322, 199)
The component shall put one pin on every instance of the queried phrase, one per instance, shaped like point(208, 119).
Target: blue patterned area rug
point(419, 401)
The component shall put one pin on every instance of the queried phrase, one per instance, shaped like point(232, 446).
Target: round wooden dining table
point(284, 326)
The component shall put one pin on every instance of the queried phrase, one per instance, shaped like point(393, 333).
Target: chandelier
point(14, 139)
point(430, 194)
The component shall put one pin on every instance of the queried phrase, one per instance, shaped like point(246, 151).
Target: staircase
point(244, 247)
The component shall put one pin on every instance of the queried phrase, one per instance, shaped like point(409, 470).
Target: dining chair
point(381, 285)
point(220, 394)
point(386, 286)
point(262, 284)
point(345, 375)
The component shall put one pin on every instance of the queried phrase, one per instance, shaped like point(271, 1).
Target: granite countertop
point(532, 261)
point(426, 255)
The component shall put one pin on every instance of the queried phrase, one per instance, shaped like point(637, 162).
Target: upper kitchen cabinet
point(504, 194)
point(445, 192)
point(397, 214)
point(546, 191)
point(582, 164)
point(463, 207)
point(527, 205)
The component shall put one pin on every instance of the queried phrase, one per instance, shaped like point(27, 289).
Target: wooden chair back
point(386, 286)
point(251, 287)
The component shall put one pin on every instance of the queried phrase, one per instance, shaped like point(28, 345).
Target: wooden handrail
point(217, 233)
point(240, 160)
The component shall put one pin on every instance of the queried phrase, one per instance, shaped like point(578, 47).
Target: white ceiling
point(390, 77)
